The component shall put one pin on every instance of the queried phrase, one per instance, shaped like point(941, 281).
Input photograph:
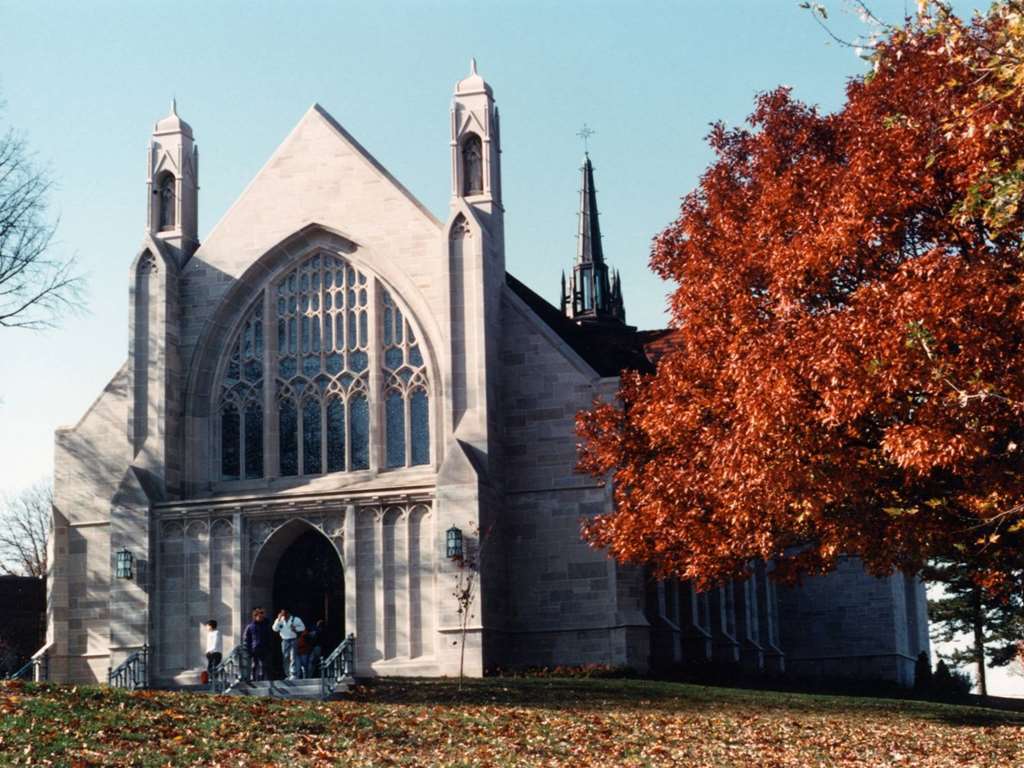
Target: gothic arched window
point(241, 401)
point(165, 202)
point(322, 356)
point(472, 166)
point(323, 365)
point(406, 428)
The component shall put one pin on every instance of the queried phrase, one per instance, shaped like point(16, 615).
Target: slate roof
point(608, 348)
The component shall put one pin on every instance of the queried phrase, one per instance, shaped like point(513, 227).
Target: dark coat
point(257, 637)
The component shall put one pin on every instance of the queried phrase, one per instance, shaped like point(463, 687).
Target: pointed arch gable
point(166, 163)
point(471, 123)
point(207, 360)
point(283, 536)
point(218, 244)
point(153, 248)
point(373, 162)
point(463, 212)
point(224, 321)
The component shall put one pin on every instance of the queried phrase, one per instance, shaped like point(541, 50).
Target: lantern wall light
point(453, 539)
point(123, 561)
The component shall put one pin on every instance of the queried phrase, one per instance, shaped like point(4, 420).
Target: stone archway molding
point(268, 540)
point(266, 534)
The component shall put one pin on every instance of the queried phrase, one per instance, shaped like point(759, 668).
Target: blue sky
point(84, 83)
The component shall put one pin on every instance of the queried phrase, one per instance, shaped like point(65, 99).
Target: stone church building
point(334, 378)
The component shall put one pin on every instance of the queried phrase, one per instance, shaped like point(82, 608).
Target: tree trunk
point(979, 642)
point(462, 653)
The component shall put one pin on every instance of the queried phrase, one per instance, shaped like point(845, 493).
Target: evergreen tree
point(993, 621)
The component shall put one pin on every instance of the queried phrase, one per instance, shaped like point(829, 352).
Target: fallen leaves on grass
point(498, 723)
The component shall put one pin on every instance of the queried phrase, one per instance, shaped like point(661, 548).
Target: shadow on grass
point(625, 694)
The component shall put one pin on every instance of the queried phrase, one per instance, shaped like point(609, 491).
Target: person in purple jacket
point(256, 640)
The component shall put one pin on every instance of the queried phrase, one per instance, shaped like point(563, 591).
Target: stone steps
point(288, 689)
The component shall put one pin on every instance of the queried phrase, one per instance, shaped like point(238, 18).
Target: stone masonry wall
point(89, 462)
point(563, 600)
point(850, 624)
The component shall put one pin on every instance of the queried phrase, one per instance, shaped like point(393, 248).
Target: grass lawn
point(499, 722)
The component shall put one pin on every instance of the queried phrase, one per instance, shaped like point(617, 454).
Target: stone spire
point(591, 296)
point(588, 232)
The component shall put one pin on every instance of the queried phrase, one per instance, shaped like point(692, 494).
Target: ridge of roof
point(608, 349)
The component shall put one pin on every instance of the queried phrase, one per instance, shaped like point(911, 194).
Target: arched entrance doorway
point(300, 569)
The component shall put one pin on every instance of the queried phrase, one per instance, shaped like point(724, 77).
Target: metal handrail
point(337, 667)
point(132, 673)
point(22, 673)
point(231, 671)
point(38, 665)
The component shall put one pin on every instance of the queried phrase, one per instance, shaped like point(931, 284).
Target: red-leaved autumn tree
point(848, 376)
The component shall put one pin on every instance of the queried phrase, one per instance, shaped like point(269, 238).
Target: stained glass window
point(229, 432)
point(335, 435)
point(406, 409)
point(253, 440)
point(394, 428)
point(419, 427)
point(288, 425)
point(359, 432)
point(241, 396)
point(323, 348)
point(311, 438)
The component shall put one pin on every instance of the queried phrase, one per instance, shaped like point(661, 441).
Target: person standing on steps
point(303, 647)
point(316, 640)
point(214, 647)
point(256, 640)
point(289, 628)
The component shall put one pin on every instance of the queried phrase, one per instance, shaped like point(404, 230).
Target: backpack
point(303, 644)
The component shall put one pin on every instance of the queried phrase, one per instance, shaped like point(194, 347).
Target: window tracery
point(325, 344)
point(241, 401)
point(147, 264)
point(323, 367)
point(406, 423)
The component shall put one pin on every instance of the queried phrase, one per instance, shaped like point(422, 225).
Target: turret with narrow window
point(173, 185)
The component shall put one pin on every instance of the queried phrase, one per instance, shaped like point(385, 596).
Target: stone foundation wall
point(567, 648)
point(852, 624)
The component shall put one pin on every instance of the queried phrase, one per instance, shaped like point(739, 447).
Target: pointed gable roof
point(373, 162)
point(319, 173)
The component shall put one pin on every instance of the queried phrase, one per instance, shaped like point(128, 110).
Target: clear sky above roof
point(85, 83)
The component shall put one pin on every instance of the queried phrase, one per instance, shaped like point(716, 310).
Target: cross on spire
point(585, 133)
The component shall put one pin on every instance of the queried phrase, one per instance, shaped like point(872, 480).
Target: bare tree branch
point(25, 520)
point(36, 289)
